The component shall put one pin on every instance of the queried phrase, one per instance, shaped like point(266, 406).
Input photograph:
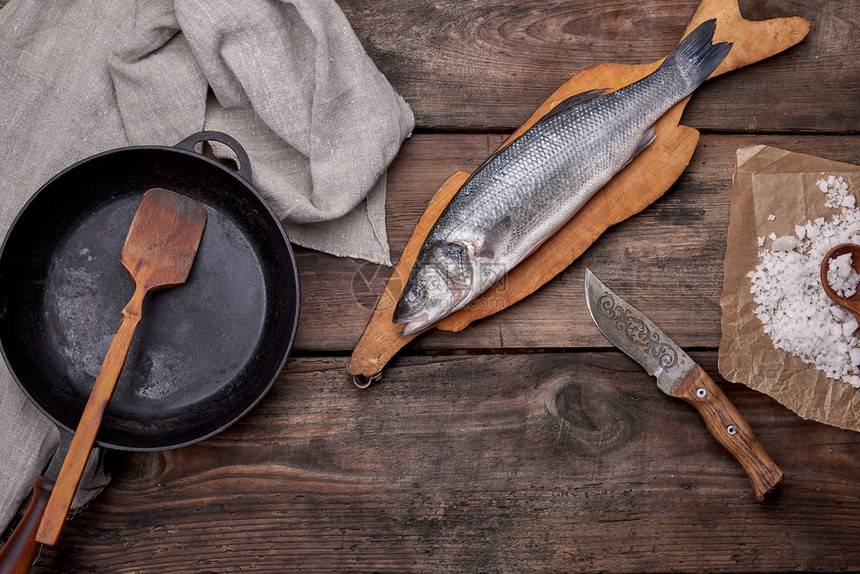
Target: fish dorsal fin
point(496, 239)
point(575, 100)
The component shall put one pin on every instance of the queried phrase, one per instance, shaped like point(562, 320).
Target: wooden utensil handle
point(88, 427)
point(731, 430)
point(19, 552)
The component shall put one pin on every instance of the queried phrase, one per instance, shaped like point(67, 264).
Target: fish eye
point(414, 293)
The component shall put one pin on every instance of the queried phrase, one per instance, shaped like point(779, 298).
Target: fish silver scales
point(530, 188)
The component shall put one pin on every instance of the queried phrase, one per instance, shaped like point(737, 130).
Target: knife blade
point(679, 376)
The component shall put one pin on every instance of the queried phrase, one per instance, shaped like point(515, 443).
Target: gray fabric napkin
point(287, 78)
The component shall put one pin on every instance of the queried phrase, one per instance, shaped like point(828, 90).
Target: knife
point(679, 376)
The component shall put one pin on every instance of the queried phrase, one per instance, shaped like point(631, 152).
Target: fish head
point(440, 283)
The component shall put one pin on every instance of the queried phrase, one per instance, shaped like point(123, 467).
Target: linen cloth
point(287, 78)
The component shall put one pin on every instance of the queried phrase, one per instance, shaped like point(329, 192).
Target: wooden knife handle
point(19, 552)
point(730, 429)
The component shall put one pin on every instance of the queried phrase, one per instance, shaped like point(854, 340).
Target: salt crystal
point(812, 231)
point(800, 231)
point(784, 243)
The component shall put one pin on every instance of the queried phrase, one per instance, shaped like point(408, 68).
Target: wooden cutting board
point(638, 185)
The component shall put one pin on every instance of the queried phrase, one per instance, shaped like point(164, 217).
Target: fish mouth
point(414, 324)
point(428, 317)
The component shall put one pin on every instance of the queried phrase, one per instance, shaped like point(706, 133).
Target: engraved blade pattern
point(632, 332)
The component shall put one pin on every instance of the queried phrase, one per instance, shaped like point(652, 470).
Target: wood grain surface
point(487, 65)
point(524, 443)
point(492, 463)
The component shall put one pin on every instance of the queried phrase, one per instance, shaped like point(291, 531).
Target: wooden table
point(524, 443)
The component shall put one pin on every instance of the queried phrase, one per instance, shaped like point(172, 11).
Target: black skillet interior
point(203, 354)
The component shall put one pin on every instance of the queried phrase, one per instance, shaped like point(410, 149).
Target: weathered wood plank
point(668, 260)
point(488, 65)
point(494, 463)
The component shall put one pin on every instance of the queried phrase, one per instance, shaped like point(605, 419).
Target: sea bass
point(530, 188)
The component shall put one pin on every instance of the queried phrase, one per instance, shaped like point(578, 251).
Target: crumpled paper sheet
point(767, 181)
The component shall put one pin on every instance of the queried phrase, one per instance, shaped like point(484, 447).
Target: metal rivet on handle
point(732, 429)
point(701, 393)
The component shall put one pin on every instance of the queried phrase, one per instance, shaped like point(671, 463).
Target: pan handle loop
point(244, 163)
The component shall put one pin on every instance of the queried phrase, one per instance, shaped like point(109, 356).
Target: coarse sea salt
point(793, 308)
point(842, 276)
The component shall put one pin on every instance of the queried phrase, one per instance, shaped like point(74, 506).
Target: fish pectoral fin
point(496, 240)
point(646, 140)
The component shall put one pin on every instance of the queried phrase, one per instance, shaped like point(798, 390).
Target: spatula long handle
point(82, 443)
point(730, 429)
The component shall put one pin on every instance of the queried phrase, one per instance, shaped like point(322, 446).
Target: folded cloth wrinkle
point(288, 79)
point(329, 104)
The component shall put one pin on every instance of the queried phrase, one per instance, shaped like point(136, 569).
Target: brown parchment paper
point(770, 181)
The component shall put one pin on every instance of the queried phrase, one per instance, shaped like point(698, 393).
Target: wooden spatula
point(158, 252)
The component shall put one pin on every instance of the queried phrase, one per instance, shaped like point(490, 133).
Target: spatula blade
point(163, 238)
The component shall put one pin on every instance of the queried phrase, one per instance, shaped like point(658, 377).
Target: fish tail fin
point(695, 57)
